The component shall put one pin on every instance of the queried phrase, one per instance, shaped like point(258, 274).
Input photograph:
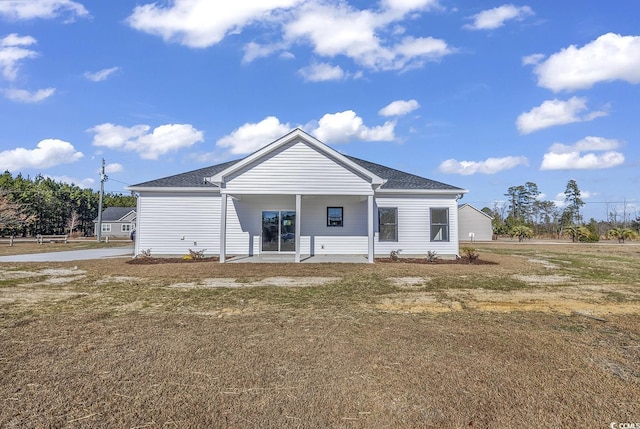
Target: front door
point(278, 231)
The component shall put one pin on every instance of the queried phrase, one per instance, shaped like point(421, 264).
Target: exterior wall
point(351, 238)
point(297, 168)
point(173, 223)
point(244, 224)
point(116, 229)
point(474, 221)
point(414, 225)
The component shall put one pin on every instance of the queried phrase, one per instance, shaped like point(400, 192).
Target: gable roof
point(114, 214)
point(386, 178)
point(461, 206)
point(297, 134)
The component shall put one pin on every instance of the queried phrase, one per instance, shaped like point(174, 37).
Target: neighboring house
point(298, 196)
point(117, 222)
point(474, 221)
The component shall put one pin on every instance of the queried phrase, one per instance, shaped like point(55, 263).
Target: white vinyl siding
point(173, 223)
point(474, 221)
point(297, 168)
point(414, 225)
point(351, 238)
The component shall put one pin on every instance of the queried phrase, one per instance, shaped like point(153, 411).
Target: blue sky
point(480, 95)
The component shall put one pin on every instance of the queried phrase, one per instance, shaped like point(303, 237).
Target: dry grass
point(108, 344)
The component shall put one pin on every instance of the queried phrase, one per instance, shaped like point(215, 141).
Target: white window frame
point(125, 227)
point(106, 227)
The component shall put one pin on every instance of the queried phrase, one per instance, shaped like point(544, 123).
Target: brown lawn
point(547, 336)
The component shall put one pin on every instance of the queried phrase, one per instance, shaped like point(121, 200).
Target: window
point(334, 216)
point(106, 227)
point(439, 224)
point(388, 223)
point(125, 227)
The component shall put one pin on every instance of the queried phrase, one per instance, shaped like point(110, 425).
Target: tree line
point(44, 206)
point(525, 215)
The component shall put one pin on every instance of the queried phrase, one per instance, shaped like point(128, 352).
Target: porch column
point(223, 227)
point(370, 227)
point(298, 219)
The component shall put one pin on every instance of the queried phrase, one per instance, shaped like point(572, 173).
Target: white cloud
point(12, 53)
point(149, 145)
point(338, 29)
point(45, 9)
point(113, 167)
point(48, 153)
point(344, 126)
point(82, 183)
point(570, 157)
point(203, 23)
point(24, 96)
point(404, 6)
point(252, 136)
point(101, 75)
point(253, 50)
point(369, 37)
point(496, 17)
point(399, 108)
point(532, 59)
point(556, 112)
point(610, 57)
point(320, 72)
point(489, 166)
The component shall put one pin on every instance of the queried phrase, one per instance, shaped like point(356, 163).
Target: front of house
point(301, 197)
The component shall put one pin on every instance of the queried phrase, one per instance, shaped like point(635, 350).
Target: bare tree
point(72, 222)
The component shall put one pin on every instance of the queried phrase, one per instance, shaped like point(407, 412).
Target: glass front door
point(278, 231)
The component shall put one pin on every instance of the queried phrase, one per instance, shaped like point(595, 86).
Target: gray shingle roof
point(396, 179)
point(113, 214)
point(190, 179)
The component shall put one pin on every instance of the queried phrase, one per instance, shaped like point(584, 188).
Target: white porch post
point(223, 227)
point(370, 227)
point(298, 219)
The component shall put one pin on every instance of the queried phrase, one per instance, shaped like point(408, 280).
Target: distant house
point(299, 196)
point(117, 222)
point(474, 224)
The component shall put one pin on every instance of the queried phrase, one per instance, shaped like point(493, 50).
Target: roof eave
point(172, 189)
point(423, 191)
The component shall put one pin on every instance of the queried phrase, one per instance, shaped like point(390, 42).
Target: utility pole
point(103, 178)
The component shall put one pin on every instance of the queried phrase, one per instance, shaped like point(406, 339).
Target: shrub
point(431, 256)
point(469, 253)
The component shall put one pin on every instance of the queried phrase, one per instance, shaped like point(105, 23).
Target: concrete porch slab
point(290, 258)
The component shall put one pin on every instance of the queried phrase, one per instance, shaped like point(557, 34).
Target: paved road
point(71, 255)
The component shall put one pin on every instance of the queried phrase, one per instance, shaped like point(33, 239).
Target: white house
point(297, 196)
point(474, 224)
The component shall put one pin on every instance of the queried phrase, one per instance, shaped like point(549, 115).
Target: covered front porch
point(297, 228)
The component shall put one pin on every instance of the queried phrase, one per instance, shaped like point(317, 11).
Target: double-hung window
point(388, 223)
point(106, 227)
point(439, 224)
point(334, 216)
point(125, 227)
